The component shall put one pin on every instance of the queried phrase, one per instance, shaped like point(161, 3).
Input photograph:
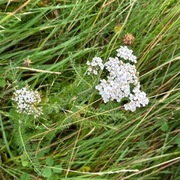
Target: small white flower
point(126, 54)
point(27, 102)
point(130, 106)
point(95, 65)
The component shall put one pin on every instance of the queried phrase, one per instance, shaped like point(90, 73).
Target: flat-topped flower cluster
point(122, 81)
point(27, 102)
point(95, 65)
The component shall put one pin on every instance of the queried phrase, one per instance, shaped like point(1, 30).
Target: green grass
point(78, 136)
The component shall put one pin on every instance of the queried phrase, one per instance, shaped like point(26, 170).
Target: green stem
point(24, 147)
point(5, 139)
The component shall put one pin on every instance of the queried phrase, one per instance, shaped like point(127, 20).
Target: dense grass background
point(79, 137)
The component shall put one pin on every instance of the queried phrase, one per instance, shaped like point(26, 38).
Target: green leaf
point(47, 172)
point(49, 161)
point(24, 160)
point(24, 176)
point(177, 141)
point(57, 169)
point(143, 145)
point(164, 127)
point(2, 82)
point(54, 177)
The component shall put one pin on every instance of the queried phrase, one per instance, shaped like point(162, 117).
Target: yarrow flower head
point(122, 81)
point(126, 54)
point(95, 65)
point(27, 102)
point(137, 99)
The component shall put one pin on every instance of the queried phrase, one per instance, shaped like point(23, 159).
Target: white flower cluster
point(95, 65)
point(127, 54)
point(27, 102)
point(122, 81)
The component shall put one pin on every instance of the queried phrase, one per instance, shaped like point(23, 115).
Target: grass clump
point(44, 46)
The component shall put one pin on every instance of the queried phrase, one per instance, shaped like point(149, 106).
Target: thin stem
point(24, 147)
point(5, 139)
